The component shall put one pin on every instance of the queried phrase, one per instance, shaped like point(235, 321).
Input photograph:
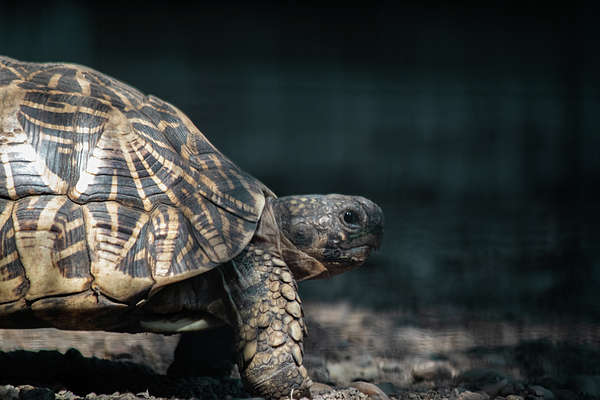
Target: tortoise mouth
point(337, 261)
point(351, 256)
point(360, 252)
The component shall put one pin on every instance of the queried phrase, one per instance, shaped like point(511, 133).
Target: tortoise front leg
point(268, 324)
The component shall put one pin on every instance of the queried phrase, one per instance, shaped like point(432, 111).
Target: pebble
point(320, 374)
point(440, 372)
point(390, 389)
point(511, 388)
point(493, 390)
point(126, 396)
point(318, 387)
point(481, 375)
point(66, 395)
point(346, 372)
point(541, 392)
point(513, 397)
point(372, 391)
point(467, 395)
point(8, 392)
point(28, 392)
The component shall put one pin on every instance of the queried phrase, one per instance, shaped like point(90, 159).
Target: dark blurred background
point(476, 128)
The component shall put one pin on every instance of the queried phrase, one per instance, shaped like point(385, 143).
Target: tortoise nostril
point(373, 211)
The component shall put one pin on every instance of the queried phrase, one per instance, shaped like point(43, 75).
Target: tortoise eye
point(351, 218)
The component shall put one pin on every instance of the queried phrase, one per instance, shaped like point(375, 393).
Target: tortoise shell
point(104, 189)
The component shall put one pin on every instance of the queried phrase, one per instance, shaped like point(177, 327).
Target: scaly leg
point(268, 324)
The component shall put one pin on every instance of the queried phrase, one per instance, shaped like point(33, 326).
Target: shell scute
point(50, 239)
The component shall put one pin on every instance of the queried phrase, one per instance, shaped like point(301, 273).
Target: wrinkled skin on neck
point(324, 235)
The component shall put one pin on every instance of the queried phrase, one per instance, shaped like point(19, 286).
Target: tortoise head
point(325, 235)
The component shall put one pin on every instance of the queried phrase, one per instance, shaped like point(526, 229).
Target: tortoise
point(117, 214)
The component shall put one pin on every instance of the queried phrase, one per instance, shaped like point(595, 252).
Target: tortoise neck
point(268, 234)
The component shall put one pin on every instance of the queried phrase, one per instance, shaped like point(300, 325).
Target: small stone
point(28, 392)
point(126, 396)
point(317, 388)
point(258, 252)
point(372, 391)
point(462, 394)
point(346, 372)
point(13, 392)
point(508, 389)
point(391, 390)
point(493, 390)
point(467, 395)
point(481, 375)
point(513, 397)
point(266, 256)
point(541, 392)
point(439, 372)
point(65, 395)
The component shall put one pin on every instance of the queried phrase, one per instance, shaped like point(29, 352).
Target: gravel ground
point(351, 354)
